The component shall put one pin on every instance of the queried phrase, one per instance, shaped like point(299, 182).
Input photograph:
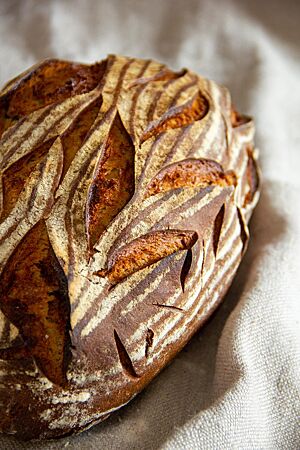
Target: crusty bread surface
point(125, 195)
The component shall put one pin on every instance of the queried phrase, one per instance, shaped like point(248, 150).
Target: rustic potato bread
point(126, 189)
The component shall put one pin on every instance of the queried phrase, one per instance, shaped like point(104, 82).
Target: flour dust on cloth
point(237, 384)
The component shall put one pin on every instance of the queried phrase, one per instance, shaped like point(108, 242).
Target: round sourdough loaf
point(125, 196)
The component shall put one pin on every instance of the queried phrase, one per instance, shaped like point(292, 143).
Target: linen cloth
point(237, 384)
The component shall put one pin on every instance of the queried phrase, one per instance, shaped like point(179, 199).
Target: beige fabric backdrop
point(237, 384)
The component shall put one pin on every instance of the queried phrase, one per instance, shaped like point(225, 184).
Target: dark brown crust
point(244, 234)
point(146, 187)
point(34, 296)
point(146, 250)
point(190, 173)
point(252, 178)
point(113, 183)
point(217, 228)
point(124, 357)
point(178, 116)
point(186, 267)
point(50, 82)
point(238, 120)
point(164, 75)
point(14, 178)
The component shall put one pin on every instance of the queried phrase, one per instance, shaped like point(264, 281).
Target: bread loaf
point(126, 189)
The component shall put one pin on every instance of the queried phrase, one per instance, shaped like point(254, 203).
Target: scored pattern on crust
point(143, 180)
